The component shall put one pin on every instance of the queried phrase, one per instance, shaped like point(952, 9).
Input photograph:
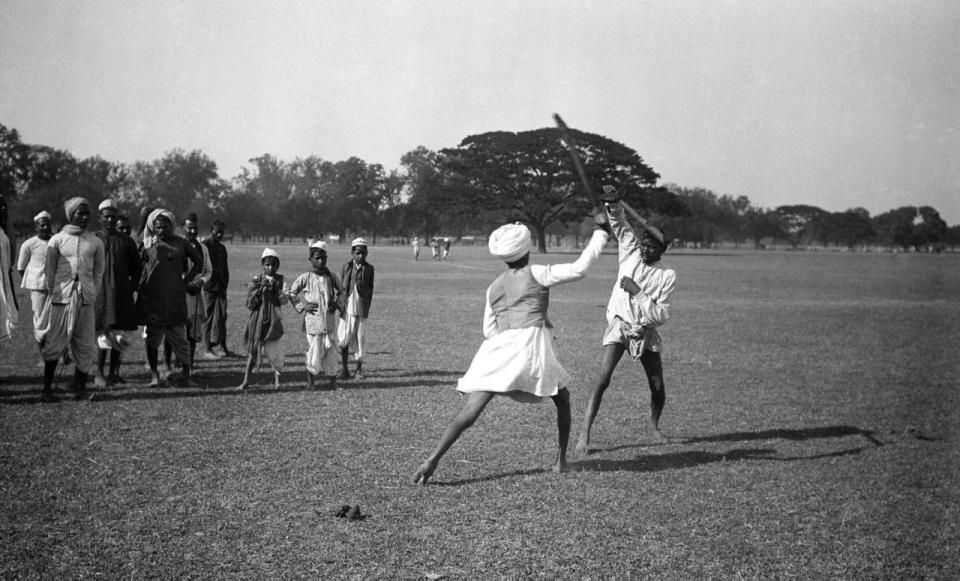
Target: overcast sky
point(838, 103)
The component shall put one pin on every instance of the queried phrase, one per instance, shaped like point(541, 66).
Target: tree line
point(468, 189)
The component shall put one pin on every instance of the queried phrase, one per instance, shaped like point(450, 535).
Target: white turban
point(268, 252)
point(108, 203)
point(71, 206)
point(42, 215)
point(358, 242)
point(318, 244)
point(510, 242)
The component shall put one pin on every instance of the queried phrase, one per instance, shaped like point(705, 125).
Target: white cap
point(108, 203)
point(42, 215)
point(358, 242)
point(269, 252)
point(318, 244)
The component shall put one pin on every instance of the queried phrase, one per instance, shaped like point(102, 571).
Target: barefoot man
point(637, 306)
point(517, 359)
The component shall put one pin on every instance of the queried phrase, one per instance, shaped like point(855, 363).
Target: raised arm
point(554, 274)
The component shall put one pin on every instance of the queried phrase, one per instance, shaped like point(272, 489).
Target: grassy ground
point(812, 404)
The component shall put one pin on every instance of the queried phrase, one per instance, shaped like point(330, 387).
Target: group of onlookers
point(90, 291)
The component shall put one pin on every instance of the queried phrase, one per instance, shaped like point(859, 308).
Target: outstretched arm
point(560, 273)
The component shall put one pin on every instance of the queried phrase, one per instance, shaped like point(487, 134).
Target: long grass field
point(813, 415)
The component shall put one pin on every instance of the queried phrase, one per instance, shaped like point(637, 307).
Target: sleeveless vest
point(518, 301)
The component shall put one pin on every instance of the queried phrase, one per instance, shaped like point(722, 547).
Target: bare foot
point(99, 381)
point(424, 473)
point(561, 465)
point(154, 380)
point(242, 386)
point(583, 446)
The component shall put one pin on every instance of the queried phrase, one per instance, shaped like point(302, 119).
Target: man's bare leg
point(562, 401)
point(251, 361)
point(653, 367)
point(476, 402)
point(100, 380)
point(609, 358)
point(152, 357)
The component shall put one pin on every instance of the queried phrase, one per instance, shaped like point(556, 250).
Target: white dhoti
point(321, 355)
point(351, 333)
point(519, 363)
point(69, 326)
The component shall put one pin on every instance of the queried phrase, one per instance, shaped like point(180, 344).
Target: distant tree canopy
point(486, 180)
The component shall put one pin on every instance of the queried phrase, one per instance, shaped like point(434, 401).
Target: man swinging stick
point(638, 303)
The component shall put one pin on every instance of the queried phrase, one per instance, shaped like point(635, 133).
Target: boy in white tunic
point(638, 305)
point(516, 359)
point(314, 294)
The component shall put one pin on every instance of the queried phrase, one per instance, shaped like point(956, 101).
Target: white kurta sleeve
point(550, 275)
point(655, 311)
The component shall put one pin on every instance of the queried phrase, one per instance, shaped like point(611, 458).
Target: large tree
point(799, 222)
point(911, 227)
point(529, 176)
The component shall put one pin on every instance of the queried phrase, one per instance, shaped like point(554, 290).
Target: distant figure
point(215, 295)
point(446, 248)
point(116, 311)
point(435, 248)
point(31, 264)
point(356, 294)
point(73, 273)
point(638, 305)
point(265, 294)
point(516, 358)
point(314, 294)
point(9, 310)
point(416, 248)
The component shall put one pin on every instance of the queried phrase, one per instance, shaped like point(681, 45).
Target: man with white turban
point(168, 262)
point(354, 300)
point(516, 359)
point(314, 294)
point(30, 263)
point(638, 305)
point(73, 271)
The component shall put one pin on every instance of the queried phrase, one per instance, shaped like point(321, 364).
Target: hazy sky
point(837, 103)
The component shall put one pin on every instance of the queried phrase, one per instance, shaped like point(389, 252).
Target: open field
point(813, 406)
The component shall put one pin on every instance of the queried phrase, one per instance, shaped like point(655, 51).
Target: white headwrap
point(108, 203)
point(42, 215)
point(318, 244)
point(71, 206)
point(510, 242)
point(269, 252)
point(358, 242)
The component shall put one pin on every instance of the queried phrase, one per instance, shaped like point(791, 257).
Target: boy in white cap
point(639, 303)
point(314, 294)
point(354, 301)
point(265, 295)
point(30, 264)
point(517, 359)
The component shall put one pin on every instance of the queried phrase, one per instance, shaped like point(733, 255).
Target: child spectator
point(30, 263)
point(265, 326)
point(354, 300)
point(314, 295)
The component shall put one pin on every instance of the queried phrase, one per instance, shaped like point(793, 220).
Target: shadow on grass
point(797, 434)
point(693, 458)
point(490, 477)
